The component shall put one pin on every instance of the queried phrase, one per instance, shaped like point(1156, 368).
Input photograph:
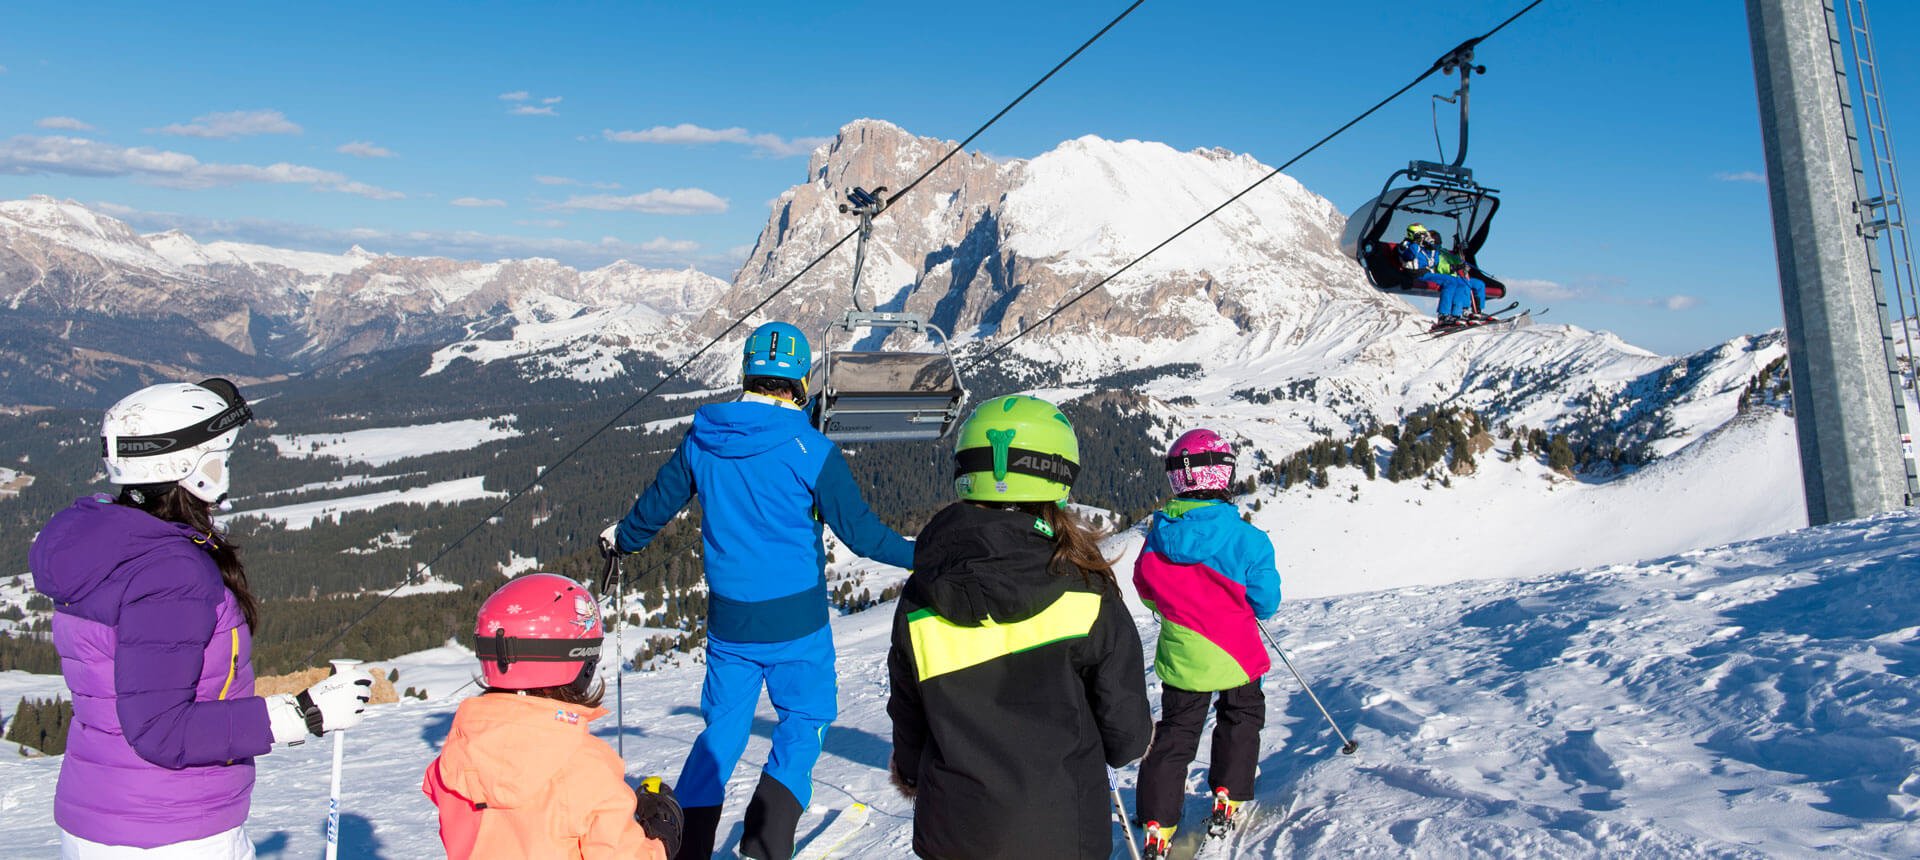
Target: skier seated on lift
point(1463, 298)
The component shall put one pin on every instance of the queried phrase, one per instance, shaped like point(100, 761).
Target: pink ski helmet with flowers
point(540, 630)
point(1200, 460)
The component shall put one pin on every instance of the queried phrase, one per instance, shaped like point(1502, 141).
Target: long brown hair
point(172, 502)
point(1076, 543)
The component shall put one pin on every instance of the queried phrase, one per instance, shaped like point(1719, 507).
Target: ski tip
point(859, 806)
point(1350, 747)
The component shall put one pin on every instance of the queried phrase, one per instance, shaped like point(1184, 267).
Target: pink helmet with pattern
point(540, 630)
point(1200, 460)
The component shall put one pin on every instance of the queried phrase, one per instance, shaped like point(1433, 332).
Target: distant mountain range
point(91, 307)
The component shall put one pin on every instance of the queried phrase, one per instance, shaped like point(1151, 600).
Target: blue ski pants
point(801, 683)
point(1457, 294)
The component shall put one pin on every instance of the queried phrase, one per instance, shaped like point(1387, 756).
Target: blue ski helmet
point(779, 350)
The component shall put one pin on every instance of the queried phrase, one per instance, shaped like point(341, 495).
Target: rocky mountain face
point(984, 248)
point(89, 304)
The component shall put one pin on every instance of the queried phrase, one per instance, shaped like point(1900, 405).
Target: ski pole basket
point(884, 395)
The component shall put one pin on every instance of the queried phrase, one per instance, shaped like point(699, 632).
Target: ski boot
point(1221, 822)
point(1159, 842)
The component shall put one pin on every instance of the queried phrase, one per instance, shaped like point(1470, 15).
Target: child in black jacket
point(1016, 669)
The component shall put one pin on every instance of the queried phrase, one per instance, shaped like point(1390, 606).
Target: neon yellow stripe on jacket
point(941, 646)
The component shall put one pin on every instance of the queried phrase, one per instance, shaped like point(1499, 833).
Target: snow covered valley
point(1752, 700)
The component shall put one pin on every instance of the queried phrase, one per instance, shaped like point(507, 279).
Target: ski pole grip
point(343, 664)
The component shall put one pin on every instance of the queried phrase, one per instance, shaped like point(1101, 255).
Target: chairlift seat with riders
point(1443, 197)
point(882, 395)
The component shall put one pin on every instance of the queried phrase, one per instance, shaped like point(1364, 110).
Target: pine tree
point(1560, 454)
point(1363, 457)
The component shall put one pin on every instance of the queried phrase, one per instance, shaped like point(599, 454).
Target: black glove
point(658, 812)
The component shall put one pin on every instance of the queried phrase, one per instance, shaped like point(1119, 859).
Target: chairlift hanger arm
point(1460, 60)
point(866, 204)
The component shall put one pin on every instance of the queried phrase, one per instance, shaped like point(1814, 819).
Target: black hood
point(972, 564)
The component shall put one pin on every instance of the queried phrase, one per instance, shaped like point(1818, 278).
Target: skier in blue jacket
point(1463, 298)
point(767, 482)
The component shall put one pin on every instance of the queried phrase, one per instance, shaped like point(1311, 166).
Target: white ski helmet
point(175, 432)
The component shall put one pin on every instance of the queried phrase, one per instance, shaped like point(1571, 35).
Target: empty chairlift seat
point(889, 396)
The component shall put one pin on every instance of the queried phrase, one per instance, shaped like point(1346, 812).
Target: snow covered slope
point(1753, 700)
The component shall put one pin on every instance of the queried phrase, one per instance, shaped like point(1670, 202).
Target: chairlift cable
point(1437, 65)
point(683, 365)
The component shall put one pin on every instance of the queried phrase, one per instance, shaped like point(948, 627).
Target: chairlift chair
point(1444, 197)
point(885, 395)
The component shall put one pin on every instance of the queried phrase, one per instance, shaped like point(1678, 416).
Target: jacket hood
point(1189, 531)
point(81, 546)
point(507, 751)
point(745, 428)
point(972, 564)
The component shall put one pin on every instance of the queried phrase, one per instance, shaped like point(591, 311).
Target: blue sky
point(1623, 134)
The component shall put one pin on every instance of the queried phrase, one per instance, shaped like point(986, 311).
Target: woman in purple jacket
point(153, 621)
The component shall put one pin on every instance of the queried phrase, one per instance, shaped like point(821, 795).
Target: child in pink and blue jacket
point(1211, 578)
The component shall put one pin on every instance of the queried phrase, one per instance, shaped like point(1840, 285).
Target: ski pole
point(619, 652)
point(1113, 788)
point(1347, 746)
point(339, 755)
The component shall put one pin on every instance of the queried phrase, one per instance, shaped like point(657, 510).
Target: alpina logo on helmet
point(146, 445)
point(1034, 464)
point(229, 420)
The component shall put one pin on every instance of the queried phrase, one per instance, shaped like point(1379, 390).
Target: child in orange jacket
point(520, 776)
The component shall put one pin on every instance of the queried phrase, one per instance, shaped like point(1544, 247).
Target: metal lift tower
point(1848, 407)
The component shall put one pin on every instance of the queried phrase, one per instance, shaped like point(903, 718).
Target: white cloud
point(459, 244)
point(552, 100)
point(238, 123)
point(664, 245)
point(65, 123)
point(371, 192)
point(659, 201)
point(562, 180)
point(1741, 176)
point(74, 156)
point(688, 134)
point(1604, 290)
point(477, 202)
point(515, 96)
point(530, 110)
point(1542, 289)
point(362, 149)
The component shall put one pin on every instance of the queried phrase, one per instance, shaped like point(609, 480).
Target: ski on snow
point(1216, 838)
point(836, 835)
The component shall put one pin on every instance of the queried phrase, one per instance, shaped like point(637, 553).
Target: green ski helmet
point(1015, 449)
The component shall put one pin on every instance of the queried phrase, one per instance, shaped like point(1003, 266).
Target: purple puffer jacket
point(158, 656)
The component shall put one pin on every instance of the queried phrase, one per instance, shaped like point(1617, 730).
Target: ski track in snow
point(1752, 700)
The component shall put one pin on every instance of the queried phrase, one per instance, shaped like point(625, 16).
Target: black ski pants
point(1239, 714)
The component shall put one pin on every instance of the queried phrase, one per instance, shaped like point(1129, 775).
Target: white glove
point(610, 540)
point(338, 702)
